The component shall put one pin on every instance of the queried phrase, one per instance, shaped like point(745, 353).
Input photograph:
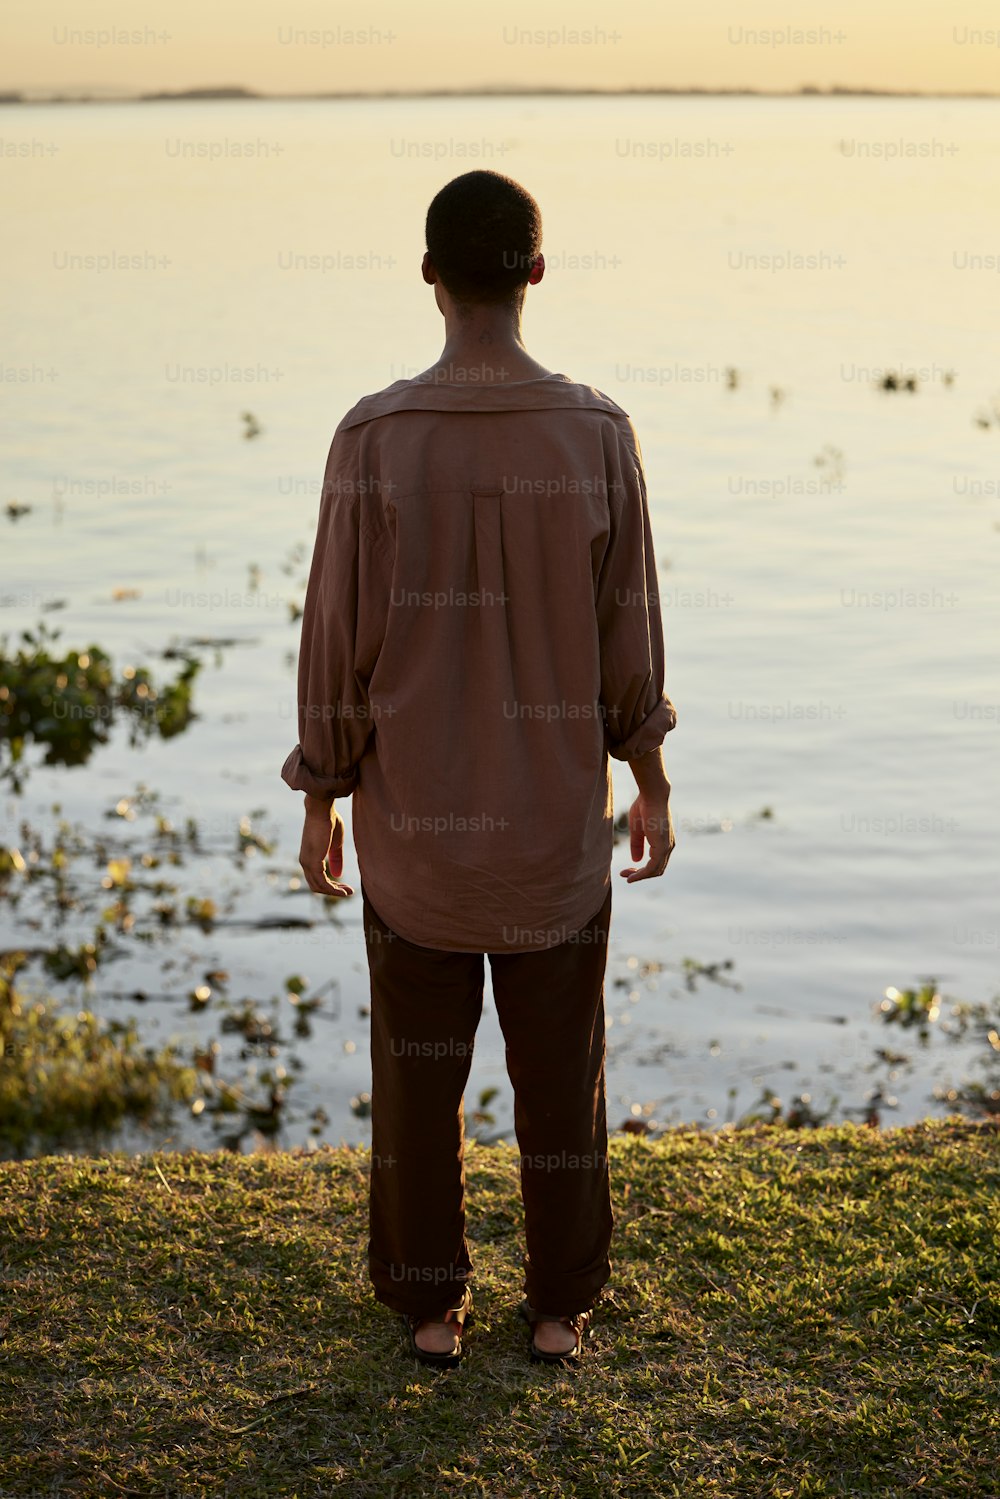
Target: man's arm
point(321, 852)
point(343, 624)
point(649, 819)
point(638, 713)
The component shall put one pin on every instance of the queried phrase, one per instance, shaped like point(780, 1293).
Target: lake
point(741, 275)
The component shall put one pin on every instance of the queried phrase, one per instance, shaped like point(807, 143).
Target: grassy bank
point(792, 1313)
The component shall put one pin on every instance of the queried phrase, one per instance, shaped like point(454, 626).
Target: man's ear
point(537, 270)
point(427, 269)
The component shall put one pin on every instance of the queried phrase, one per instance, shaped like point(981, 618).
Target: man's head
point(484, 237)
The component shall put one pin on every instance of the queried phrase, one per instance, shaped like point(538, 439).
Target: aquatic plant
point(897, 380)
point(69, 1077)
point(113, 880)
point(68, 701)
point(922, 1008)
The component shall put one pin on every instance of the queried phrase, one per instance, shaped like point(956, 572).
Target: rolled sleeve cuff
point(650, 733)
point(297, 774)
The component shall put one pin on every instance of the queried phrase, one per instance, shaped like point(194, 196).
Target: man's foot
point(555, 1340)
point(437, 1341)
point(438, 1336)
point(554, 1337)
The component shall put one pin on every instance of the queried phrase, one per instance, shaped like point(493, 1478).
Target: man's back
point(481, 628)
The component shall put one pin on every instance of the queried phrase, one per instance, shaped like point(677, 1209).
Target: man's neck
point(484, 346)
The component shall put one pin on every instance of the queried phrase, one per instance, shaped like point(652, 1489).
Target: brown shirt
point(481, 629)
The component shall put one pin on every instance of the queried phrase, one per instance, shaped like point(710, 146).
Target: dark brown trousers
point(426, 1005)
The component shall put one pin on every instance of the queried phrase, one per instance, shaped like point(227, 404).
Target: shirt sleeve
point(343, 626)
point(638, 714)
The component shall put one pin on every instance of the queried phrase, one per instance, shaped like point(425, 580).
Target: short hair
point(484, 231)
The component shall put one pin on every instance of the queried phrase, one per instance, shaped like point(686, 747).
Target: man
point(480, 631)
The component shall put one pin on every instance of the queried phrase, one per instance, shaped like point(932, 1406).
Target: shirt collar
point(541, 394)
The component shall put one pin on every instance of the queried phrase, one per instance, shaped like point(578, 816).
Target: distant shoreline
point(236, 94)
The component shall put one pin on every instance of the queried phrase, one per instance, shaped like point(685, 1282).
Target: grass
point(792, 1313)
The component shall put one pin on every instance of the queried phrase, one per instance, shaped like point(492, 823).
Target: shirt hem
point(562, 931)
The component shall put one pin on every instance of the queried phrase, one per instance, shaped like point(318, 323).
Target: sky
point(302, 46)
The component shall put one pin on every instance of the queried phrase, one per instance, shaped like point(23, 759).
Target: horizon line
point(223, 93)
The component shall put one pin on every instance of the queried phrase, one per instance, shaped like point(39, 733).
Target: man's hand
point(649, 821)
point(322, 851)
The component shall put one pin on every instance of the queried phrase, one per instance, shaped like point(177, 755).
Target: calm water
point(831, 626)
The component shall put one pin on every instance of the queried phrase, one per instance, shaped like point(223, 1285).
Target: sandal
point(579, 1322)
point(459, 1314)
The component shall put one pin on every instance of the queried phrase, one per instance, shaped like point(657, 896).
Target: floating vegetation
point(69, 701)
point(182, 650)
point(202, 911)
point(62, 962)
point(776, 394)
point(295, 556)
point(305, 1006)
point(912, 1007)
point(143, 902)
point(922, 1007)
point(15, 510)
point(897, 380)
point(799, 1113)
point(831, 459)
point(988, 416)
point(251, 426)
point(716, 973)
point(256, 1113)
point(252, 842)
point(254, 1026)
